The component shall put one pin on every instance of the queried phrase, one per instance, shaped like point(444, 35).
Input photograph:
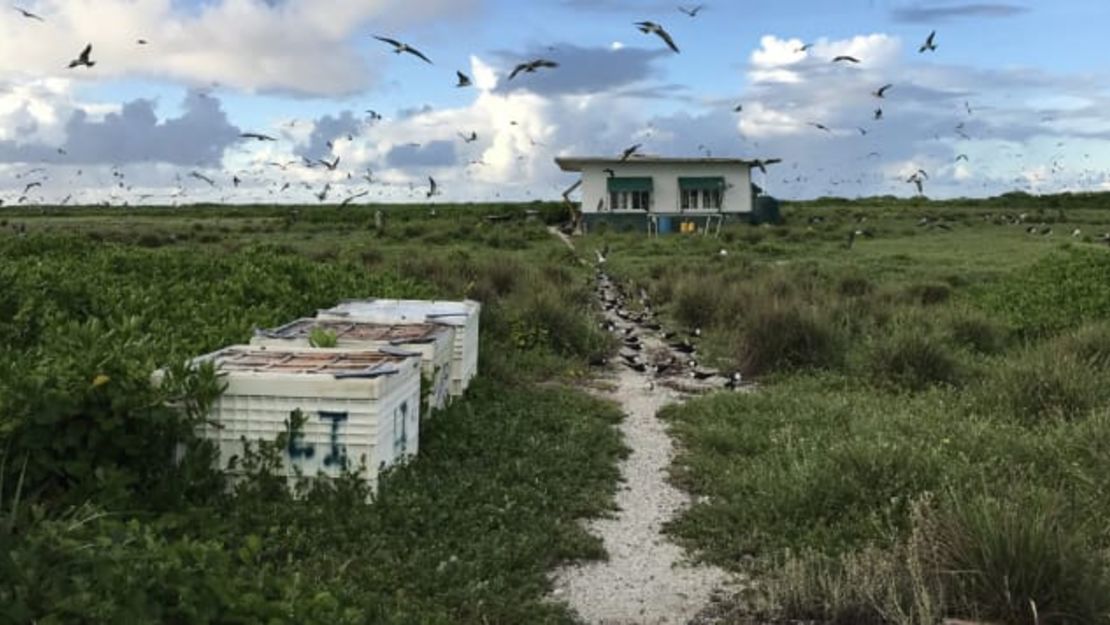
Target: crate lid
point(408, 309)
point(353, 329)
point(336, 363)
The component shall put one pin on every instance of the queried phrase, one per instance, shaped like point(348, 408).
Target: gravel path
point(647, 579)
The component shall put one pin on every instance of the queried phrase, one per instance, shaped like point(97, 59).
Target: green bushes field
point(98, 523)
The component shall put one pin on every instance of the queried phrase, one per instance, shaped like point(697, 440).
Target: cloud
point(931, 13)
point(329, 129)
point(434, 154)
point(581, 70)
point(199, 136)
point(295, 46)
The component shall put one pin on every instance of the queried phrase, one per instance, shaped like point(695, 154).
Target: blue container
point(664, 225)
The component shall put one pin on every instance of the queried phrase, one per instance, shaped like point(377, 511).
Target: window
point(689, 199)
point(711, 198)
point(630, 200)
point(701, 193)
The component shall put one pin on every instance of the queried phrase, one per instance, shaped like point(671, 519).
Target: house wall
point(665, 196)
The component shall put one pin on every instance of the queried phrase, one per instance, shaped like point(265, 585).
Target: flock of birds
point(272, 175)
point(646, 348)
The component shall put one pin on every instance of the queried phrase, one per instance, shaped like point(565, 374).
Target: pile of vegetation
point(110, 510)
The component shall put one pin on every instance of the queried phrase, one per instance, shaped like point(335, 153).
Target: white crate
point(464, 315)
point(362, 407)
point(433, 342)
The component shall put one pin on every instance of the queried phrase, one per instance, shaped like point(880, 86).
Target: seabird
point(332, 165)
point(761, 164)
point(531, 66)
point(881, 91)
point(628, 152)
point(432, 187)
point(83, 59)
point(928, 45)
point(845, 57)
point(464, 80)
point(692, 12)
point(29, 14)
point(399, 47)
point(256, 135)
point(653, 28)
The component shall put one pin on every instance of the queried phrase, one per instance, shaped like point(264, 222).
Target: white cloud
point(304, 46)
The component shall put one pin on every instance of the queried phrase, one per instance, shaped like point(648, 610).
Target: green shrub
point(1020, 562)
point(322, 337)
point(1089, 344)
point(1042, 386)
point(929, 294)
point(786, 336)
point(977, 332)
point(913, 361)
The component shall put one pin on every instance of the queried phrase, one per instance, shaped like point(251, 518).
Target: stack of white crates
point(433, 342)
point(463, 315)
point(361, 408)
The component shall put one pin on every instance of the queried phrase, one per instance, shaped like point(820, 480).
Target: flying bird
point(803, 47)
point(531, 66)
point(399, 48)
point(257, 136)
point(83, 59)
point(29, 14)
point(693, 11)
point(433, 189)
point(374, 115)
point(464, 80)
point(761, 164)
point(845, 57)
point(142, 42)
point(351, 198)
point(628, 152)
point(738, 108)
point(881, 91)
point(960, 157)
point(332, 165)
point(31, 185)
point(200, 176)
point(878, 113)
point(653, 28)
point(323, 194)
point(473, 136)
point(820, 126)
point(929, 43)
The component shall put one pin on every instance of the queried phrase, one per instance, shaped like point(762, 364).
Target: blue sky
point(1032, 74)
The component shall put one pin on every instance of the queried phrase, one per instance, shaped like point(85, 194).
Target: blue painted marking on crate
point(338, 453)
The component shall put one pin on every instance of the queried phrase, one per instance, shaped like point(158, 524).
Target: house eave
point(578, 163)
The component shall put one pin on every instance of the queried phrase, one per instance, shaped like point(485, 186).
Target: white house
point(662, 193)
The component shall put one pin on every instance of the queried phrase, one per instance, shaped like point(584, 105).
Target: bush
point(786, 336)
point(1019, 562)
point(929, 294)
point(913, 361)
point(696, 302)
point(1090, 345)
point(977, 332)
point(1044, 385)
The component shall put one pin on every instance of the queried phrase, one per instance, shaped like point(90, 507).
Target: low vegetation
point(928, 438)
point(98, 523)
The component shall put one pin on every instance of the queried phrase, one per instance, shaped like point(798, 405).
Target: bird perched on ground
point(761, 164)
point(464, 80)
point(531, 66)
point(257, 136)
point(693, 11)
point(845, 57)
point(432, 188)
point(29, 14)
point(628, 152)
point(399, 48)
point(330, 166)
point(83, 58)
point(473, 136)
point(929, 44)
point(881, 91)
point(656, 29)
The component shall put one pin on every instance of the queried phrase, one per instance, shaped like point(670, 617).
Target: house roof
point(576, 163)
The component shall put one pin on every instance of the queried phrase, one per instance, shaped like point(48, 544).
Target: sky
point(1014, 97)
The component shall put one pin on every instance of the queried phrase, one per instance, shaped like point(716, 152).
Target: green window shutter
point(710, 183)
point(629, 184)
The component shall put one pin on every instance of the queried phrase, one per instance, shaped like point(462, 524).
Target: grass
point(932, 419)
point(109, 529)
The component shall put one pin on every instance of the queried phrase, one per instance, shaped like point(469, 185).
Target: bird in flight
point(653, 28)
point(878, 113)
point(464, 80)
point(433, 189)
point(470, 138)
point(323, 194)
point(142, 42)
point(399, 47)
point(738, 108)
point(820, 126)
point(256, 136)
point(692, 11)
point(200, 176)
point(628, 152)
point(761, 164)
point(331, 166)
point(803, 47)
point(531, 66)
point(28, 14)
point(31, 185)
point(961, 157)
point(83, 59)
point(351, 198)
point(929, 44)
point(881, 91)
point(845, 57)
